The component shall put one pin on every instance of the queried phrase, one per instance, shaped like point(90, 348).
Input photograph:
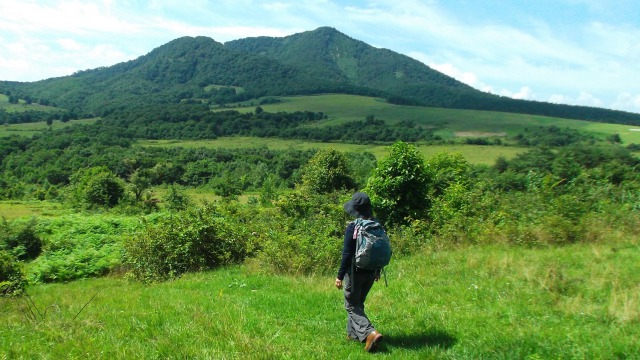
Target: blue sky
point(583, 52)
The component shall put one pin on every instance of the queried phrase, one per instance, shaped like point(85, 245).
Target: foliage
point(552, 136)
point(177, 199)
point(97, 186)
point(327, 171)
point(399, 186)
point(21, 241)
point(197, 239)
point(80, 246)
point(197, 121)
point(12, 279)
point(308, 237)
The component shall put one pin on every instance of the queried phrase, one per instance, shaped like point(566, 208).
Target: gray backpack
point(373, 249)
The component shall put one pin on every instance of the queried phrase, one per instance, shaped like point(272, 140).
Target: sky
point(578, 52)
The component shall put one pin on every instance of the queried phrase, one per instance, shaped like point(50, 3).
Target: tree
point(448, 169)
point(140, 181)
point(399, 186)
point(327, 171)
point(98, 186)
point(615, 138)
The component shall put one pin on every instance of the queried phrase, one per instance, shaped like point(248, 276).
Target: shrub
point(399, 186)
point(177, 199)
point(326, 172)
point(308, 238)
point(193, 240)
point(12, 280)
point(97, 186)
point(23, 243)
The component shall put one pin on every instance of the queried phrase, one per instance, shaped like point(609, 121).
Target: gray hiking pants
point(355, 293)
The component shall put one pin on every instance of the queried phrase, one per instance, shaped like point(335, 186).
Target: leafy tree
point(326, 172)
point(140, 181)
point(177, 199)
point(98, 186)
point(399, 185)
point(448, 169)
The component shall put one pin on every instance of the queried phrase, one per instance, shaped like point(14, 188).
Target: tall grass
point(498, 302)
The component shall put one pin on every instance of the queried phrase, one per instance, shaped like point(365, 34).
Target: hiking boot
point(372, 341)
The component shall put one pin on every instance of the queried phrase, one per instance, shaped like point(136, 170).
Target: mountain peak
point(316, 61)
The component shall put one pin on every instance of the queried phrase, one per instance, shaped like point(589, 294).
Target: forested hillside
point(320, 61)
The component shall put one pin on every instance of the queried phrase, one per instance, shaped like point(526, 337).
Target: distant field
point(16, 209)
point(28, 129)
point(22, 105)
point(473, 153)
point(341, 108)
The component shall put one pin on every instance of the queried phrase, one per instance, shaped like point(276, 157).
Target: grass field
point(342, 108)
point(29, 129)
point(475, 154)
point(490, 302)
point(22, 105)
point(17, 209)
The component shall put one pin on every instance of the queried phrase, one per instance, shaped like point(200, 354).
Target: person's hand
point(339, 283)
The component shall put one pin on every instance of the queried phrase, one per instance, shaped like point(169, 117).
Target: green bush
point(24, 243)
point(326, 172)
point(308, 236)
point(198, 239)
point(97, 186)
point(11, 277)
point(177, 199)
point(399, 186)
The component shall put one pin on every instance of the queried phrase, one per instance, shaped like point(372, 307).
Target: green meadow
point(30, 129)
point(481, 302)
point(22, 105)
point(449, 122)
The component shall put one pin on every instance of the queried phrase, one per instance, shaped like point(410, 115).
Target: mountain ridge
point(323, 60)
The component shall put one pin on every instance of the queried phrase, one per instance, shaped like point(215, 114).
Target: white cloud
point(69, 44)
point(627, 101)
point(525, 93)
point(583, 98)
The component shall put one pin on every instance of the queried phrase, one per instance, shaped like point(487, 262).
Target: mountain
point(178, 70)
point(329, 54)
point(319, 61)
point(333, 55)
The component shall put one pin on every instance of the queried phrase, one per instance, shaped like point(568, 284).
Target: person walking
point(357, 282)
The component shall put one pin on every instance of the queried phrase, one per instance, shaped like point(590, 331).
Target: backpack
point(373, 249)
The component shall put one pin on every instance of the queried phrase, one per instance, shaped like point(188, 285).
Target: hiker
point(356, 289)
